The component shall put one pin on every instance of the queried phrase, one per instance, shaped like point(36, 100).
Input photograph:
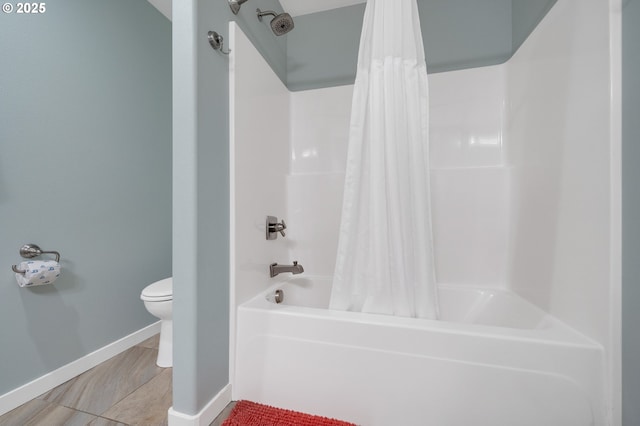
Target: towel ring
point(29, 251)
point(217, 42)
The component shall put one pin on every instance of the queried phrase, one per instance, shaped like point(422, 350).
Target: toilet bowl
point(158, 299)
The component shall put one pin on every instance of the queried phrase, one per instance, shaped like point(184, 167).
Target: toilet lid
point(159, 291)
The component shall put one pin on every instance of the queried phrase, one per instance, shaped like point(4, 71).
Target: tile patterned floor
point(126, 390)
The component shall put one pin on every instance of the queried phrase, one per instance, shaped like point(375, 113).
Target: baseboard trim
point(207, 415)
point(42, 384)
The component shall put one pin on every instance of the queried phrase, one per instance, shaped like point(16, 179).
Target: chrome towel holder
point(29, 251)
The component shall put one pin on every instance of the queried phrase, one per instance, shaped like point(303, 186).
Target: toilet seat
point(160, 291)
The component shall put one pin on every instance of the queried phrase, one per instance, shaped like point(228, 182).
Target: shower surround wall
point(258, 158)
point(469, 190)
point(559, 153)
point(520, 165)
point(263, 145)
point(520, 157)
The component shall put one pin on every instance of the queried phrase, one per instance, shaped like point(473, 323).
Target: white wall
point(469, 186)
point(468, 178)
point(559, 149)
point(259, 163)
point(319, 137)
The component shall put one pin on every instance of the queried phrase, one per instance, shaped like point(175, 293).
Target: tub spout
point(275, 269)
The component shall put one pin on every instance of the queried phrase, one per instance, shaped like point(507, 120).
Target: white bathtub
point(493, 359)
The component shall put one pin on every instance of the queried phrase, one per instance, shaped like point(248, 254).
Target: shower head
point(235, 5)
point(280, 24)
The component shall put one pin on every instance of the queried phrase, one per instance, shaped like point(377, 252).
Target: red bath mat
point(247, 413)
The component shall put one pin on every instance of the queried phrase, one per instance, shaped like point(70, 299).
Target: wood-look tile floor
point(126, 390)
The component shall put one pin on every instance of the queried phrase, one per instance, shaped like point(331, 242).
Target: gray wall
point(201, 192)
point(85, 169)
point(457, 34)
point(324, 51)
point(630, 212)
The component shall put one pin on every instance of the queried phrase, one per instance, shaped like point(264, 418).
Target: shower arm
point(265, 13)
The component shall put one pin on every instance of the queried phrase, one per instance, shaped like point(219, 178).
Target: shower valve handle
point(273, 227)
point(280, 227)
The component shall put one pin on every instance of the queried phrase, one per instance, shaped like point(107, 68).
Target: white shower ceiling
point(304, 7)
point(294, 7)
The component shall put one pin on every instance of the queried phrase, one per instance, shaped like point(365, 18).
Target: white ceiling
point(303, 7)
point(293, 7)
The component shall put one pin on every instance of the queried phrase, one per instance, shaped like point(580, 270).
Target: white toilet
point(158, 299)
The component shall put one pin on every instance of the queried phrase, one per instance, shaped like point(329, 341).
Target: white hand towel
point(38, 273)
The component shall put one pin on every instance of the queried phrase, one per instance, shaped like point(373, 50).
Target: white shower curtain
point(385, 251)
